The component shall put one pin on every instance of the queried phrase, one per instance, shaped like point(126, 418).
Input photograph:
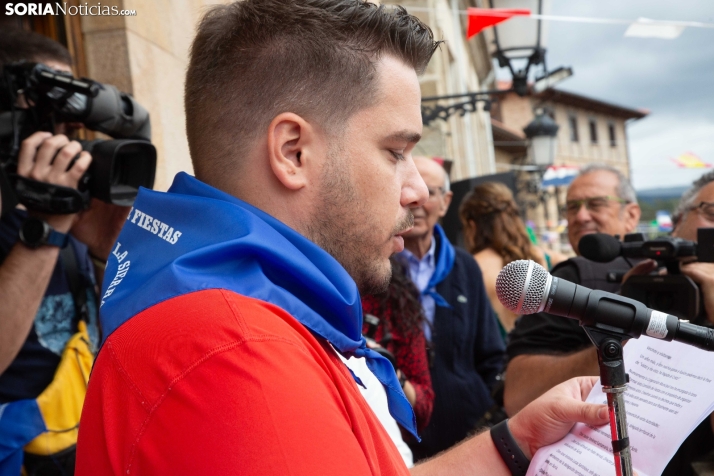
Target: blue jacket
point(468, 355)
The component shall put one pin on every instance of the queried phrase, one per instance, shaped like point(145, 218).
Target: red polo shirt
point(213, 383)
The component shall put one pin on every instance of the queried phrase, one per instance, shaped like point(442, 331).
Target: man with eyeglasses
point(465, 347)
point(696, 210)
point(545, 350)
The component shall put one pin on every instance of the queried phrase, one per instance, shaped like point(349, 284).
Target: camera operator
point(695, 210)
point(545, 349)
point(48, 284)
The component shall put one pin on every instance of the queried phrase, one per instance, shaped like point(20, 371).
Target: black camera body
point(672, 293)
point(380, 347)
point(119, 167)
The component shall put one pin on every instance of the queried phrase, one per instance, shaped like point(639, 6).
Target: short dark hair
point(20, 45)
point(254, 59)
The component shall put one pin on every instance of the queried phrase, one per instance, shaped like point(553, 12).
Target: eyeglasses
point(433, 191)
point(593, 204)
point(706, 209)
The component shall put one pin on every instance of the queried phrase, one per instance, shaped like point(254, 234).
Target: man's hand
point(47, 158)
point(550, 417)
point(703, 275)
point(641, 269)
point(25, 273)
point(544, 421)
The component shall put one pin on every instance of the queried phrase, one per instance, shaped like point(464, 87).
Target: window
point(66, 30)
point(573, 123)
point(593, 131)
point(611, 133)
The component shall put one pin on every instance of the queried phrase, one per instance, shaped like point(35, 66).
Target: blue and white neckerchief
point(444, 264)
point(195, 237)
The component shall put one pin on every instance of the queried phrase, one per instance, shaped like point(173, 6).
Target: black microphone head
point(522, 286)
point(599, 247)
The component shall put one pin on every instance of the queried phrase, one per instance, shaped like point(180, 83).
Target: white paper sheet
point(671, 391)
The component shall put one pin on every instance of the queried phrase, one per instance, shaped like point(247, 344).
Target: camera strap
point(7, 197)
point(47, 198)
point(75, 281)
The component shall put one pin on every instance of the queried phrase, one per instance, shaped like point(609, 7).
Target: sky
point(673, 79)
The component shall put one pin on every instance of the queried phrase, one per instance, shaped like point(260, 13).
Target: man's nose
point(583, 214)
point(414, 192)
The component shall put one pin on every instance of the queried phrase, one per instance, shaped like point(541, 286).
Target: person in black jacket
point(543, 349)
point(465, 346)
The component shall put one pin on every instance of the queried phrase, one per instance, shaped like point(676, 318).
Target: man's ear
point(632, 216)
point(290, 140)
point(446, 202)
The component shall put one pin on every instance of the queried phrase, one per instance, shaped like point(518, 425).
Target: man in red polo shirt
point(232, 294)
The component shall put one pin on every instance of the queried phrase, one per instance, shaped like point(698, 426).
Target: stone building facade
point(146, 54)
point(459, 66)
point(591, 131)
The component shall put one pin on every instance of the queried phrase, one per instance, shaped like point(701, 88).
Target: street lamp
point(516, 40)
point(542, 132)
point(520, 39)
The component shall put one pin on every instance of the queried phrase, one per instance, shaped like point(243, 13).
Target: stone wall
point(147, 55)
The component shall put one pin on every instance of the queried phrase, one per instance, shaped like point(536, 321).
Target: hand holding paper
point(546, 419)
point(669, 394)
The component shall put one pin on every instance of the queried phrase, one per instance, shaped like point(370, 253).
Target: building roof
point(505, 137)
point(584, 102)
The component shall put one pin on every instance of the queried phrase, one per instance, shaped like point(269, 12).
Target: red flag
point(481, 18)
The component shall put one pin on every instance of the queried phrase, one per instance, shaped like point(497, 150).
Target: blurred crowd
point(503, 361)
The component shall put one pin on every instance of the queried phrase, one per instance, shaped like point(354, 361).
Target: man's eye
point(397, 155)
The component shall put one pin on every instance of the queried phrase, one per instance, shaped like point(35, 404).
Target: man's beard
point(342, 228)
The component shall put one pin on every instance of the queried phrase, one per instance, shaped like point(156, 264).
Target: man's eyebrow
point(404, 136)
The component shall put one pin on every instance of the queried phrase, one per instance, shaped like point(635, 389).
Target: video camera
point(672, 293)
point(380, 347)
point(119, 167)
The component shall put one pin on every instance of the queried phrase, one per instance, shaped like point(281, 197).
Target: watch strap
point(55, 238)
point(49, 235)
point(509, 450)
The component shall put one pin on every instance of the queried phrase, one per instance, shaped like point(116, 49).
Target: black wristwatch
point(35, 232)
point(509, 450)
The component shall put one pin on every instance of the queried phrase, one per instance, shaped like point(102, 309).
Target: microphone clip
point(609, 347)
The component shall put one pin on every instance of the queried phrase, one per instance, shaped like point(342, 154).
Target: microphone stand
point(614, 379)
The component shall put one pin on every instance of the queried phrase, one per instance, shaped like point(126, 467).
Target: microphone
point(525, 287)
point(603, 248)
point(599, 247)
